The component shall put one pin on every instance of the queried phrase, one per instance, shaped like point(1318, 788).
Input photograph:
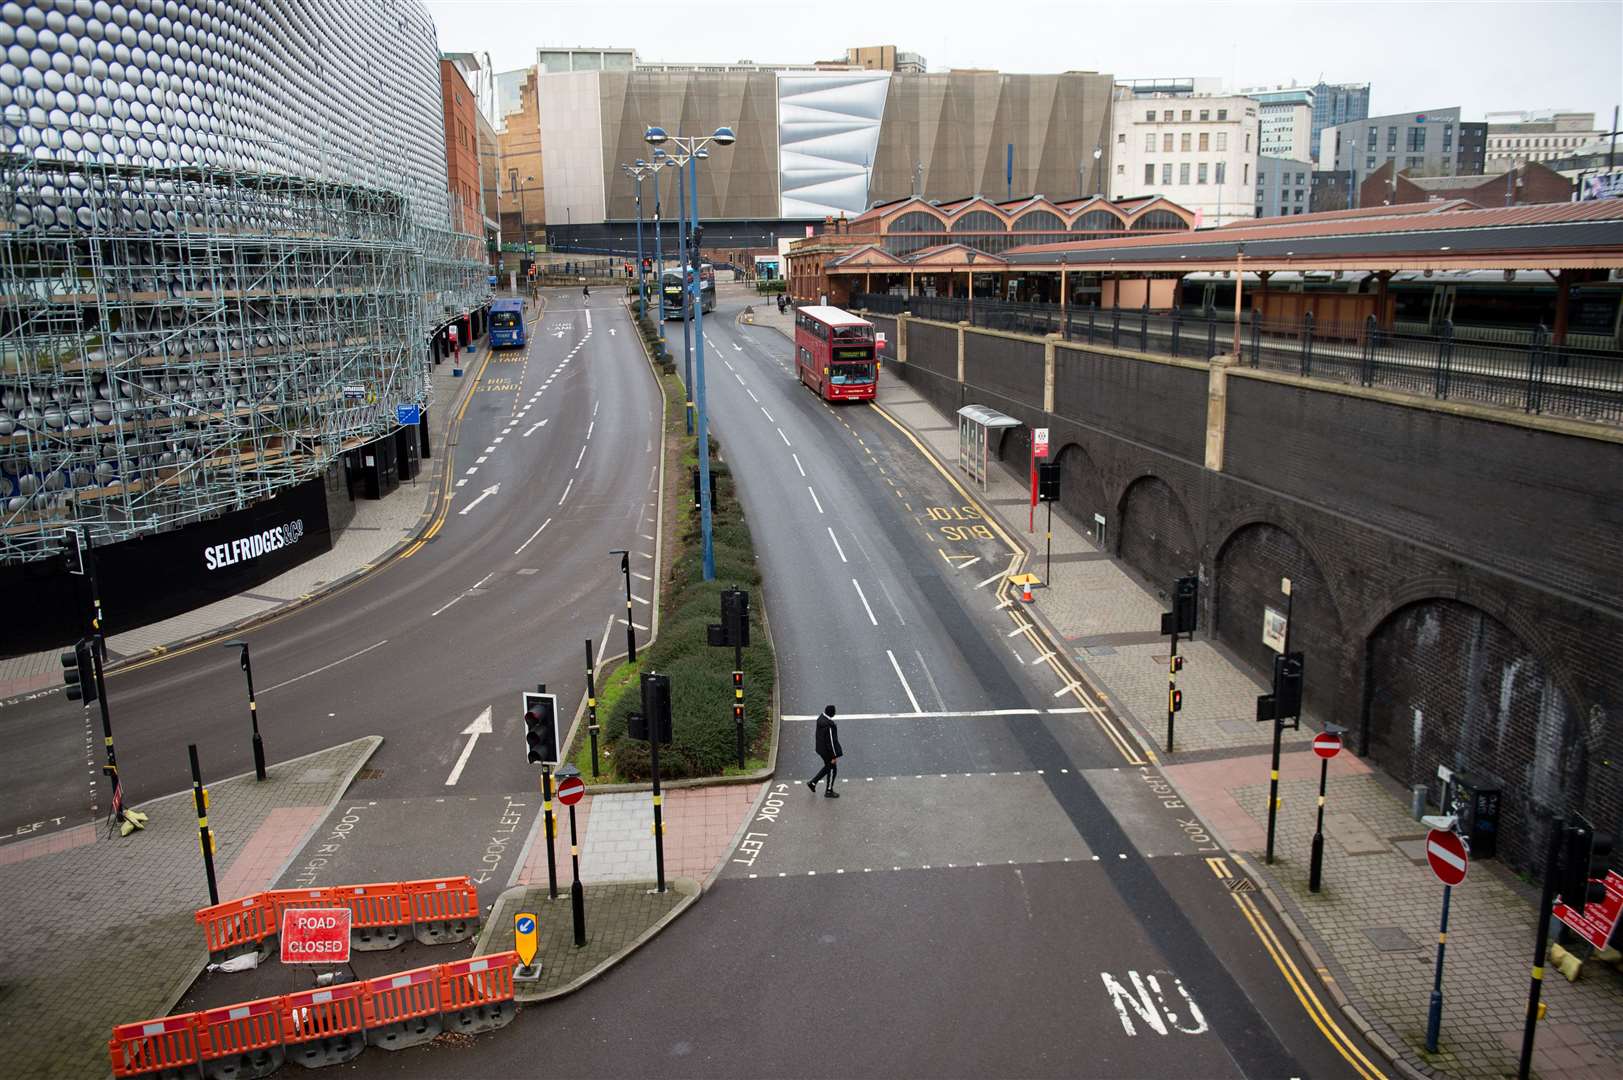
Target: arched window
point(1159, 221)
point(978, 221)
point(1098, 221)
point(1037, 221)
point(916, 221)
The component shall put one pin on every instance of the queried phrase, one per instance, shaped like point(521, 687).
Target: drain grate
point(1241, 884)
point(368, 773)
point(1390, 939)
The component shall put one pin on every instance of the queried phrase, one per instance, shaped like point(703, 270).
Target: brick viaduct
point(1456, 568)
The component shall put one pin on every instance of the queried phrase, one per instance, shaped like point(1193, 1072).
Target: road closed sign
point(315, 936)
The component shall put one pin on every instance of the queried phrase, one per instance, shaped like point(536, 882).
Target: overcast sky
point(1479, 55)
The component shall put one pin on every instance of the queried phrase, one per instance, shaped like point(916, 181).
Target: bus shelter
point(976, 425)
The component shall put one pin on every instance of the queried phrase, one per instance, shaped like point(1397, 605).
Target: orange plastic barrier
point(403, 1010)
point(477, 994)
point(380, 914)
point(443, 910)
point(240, 1042)
point(161, 1047)
point(237, 926)
point(324, 1027)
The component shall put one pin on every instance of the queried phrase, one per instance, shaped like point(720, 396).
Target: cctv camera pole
point(687, 325)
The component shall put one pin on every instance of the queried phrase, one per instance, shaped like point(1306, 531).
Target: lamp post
point(690, 145)
point(253, 706)
point(654, 166)
point(518, 194)
point(636, 172)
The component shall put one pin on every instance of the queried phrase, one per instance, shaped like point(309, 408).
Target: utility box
point(1479, 795)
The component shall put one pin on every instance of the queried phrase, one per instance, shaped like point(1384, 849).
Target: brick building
point(461, 117)
point(1528, 184)
point(523, 196)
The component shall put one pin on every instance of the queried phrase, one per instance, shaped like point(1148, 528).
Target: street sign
point(408, 414)
point(526, 936)
point(570, 789)
point(315, 936)
point(1598, 921)
point(353, 392)
point(1445, 851)
point(1039, 442)
point(1327, 745)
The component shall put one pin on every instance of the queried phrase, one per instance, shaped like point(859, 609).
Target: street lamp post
point(659, 247)
point(253, 706)
point(637, 172)
point(722, 136)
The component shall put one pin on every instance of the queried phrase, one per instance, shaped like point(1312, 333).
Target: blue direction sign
point(408, 414)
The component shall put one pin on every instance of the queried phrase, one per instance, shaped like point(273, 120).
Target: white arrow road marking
point(479, 727)
point(487, 493)
point(737, 346)
point(535, 428)
point(611, 331)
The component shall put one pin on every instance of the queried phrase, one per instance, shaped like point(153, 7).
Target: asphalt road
point(562, 435)
point(1003, 888)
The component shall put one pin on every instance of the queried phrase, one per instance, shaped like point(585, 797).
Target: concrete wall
point(1454, 567)
point(571, 140)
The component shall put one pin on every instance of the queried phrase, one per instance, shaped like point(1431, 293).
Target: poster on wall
point(1273, 629)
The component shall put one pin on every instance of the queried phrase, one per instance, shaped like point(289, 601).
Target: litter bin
point(1479, 811)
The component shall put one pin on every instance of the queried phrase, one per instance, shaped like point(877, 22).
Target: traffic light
point(656, 707)
point(1175, 665)
point(541, 729)
point(1288, 677)
point(735, 616)
point(1186, 603)
point(738, 696)
point(647, 265)
point(1174, 700)
point(79, 672)
point(73, 551)
point(1048, 481)
point(1584, 854)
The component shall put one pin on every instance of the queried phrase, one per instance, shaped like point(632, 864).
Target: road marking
point(490, 449)
point(582, 457)
point(837, 546)
point(481, 460)
point(589, 429)
point(767, 415)
point(1017, 630)
point(739, 377)
point(535, 428)
point(603, 642)
point(483, 495)
point(898, 669)
point(815, 499)
point(737, 346)
point(798, 465)
point(784, 437)
point(480, 726)
point(641, 577)
point(595, 404)
point(729, 364)
point(533, 535)
point(635, 625)
point(988, 581)
point(325, 667)
point(567, 488)
point(462, 481)
point(471, 471)
point(638, 599)
point(864, 599)
point(751, 393)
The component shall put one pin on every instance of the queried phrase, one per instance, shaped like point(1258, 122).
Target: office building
point(1198, 151)
point(885, 58)
point(1336, 103)
point(1430, 143)
point(1284, 186)
point(1286, 115)
point(1171, 85)
point(1515, 137)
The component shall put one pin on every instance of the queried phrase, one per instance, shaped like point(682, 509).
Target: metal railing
point(1530, 373)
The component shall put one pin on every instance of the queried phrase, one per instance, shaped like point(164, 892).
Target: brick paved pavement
point(103, 932)
point(1374, 923)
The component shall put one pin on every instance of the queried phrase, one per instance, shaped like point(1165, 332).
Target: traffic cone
point(1025, 592)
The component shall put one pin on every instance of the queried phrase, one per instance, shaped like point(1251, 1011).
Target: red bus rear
point(834, 354)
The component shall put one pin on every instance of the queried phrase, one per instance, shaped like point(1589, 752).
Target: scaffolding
point(177, 342)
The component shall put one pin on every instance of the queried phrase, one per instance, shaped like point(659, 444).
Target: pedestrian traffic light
point(1186, 603)
point(79, 672)
point(656, 706)
point(647, 265)
point(73, 551)
point(735, 616)
point(1584, 855)
point(1048, 481)
point(541, 729)
point(1288, 678)
point(1175, 665)
point(1174, 700)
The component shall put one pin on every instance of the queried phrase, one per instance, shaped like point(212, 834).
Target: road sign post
point(570, 789)
point(1326, 744)
point(1278, 718)
point(526, 941)
point(205, 835)
point(1447, 855)
point(1039, 449)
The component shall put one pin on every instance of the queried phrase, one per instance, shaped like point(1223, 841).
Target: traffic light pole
point(591, 705)
point(1434, 1014)
point(1552, 869)
point(546, 812)
point(1315, 873)
point(205, 837)
point(128, 820)
point(631, 631)
point(1279, 732)
point(738, 698)
point(1172, 679)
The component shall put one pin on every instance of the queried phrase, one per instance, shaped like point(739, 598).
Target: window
point(1369, 163)
point(1222, 171)
point(1148, 116)
point(1374, 137)
point(1183, 173)
point(1301, 178)
point(1121, 138)
point(1166, 175)
point(1186, 113)
point(1205, 114)
point(1149, 142)
point(1222, 114)
point(1417, 139)
point(1413, 162)
point(1222, 140)
point(1298, 194)
point(1205, 141)
point(1391, 139)
point(1121, 170)
point(1245, 173)
point(1149, 174)
point(1166, 114)
point(1184, 142)
point(1166, 142)
point(1200, 173)
point(1248, 142)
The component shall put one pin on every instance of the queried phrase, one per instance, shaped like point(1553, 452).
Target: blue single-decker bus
point(507, 324)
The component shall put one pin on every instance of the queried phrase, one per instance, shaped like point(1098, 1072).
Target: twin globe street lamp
point(689, 151)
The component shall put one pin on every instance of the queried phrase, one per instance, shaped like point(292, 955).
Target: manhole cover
point(1390, 939)
point(528, 570)
point(1241, 884)
point(369, 773)
point(1099, 650)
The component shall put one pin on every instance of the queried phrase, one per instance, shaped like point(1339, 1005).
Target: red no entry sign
point(1446, 853)
point(570, 789)
point(315, 936)
point(1327, 745)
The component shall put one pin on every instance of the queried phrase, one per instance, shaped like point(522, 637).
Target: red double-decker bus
point(834, 354)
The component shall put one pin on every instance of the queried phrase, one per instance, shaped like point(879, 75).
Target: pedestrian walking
point(828, 748)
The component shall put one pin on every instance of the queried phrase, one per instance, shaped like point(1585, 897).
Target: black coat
point(828, 738)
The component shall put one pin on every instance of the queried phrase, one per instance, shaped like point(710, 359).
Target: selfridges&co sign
point(220, 556)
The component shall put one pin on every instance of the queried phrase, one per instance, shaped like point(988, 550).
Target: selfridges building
point(225, 238)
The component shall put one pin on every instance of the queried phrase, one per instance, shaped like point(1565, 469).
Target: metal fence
point(1530, 374)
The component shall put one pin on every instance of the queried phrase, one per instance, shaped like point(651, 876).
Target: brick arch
point(1449, 681)
point(1082, 487)
point(1245, 575)
point(1154, 533)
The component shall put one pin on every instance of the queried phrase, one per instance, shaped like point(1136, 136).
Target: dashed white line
point(815, 499)
point(533, 535)
point(325, 667)
point(582, 457)
point(567, 488)
point(739, 377)
point(751, 393)
point(864, 600)
point(767, 415)
point(837, 546)
point(898, 669)
point(785, 439)
point(798, 465)
point(589, 429)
